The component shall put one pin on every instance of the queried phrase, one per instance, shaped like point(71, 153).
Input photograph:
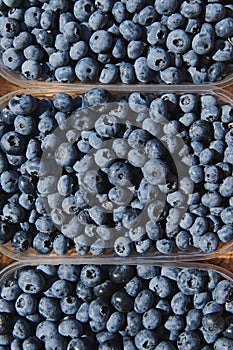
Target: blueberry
point(122, 246)
point(155, 171)
point(157, 33)
point(31, 281)
point(100, 41)
point(119, 11)
point(135, 49)
point(16, 344)
point(122, 302)
point(175, 21)
point(134, 286)
point(83, 9)
point(12, 3)
point(174, 323)
point(143, 301)
point(223, 342)
point(78, 50)
point(42, 243)
point(189, 337)
point(97, 327)
point(199, 227)
point(147, 15)
point(224, 28)
point(21, 241)
point(69, 327)
point(128, 343)
point(72, 32)
point(31, 69)
point(165, 7)
point(183, 240)
point(171, 75)
point(157, 59)
point(191, 58)
point(6, 43)
point(226, 187)
point(216, 71)
point(119, 49)
point(10, 290)
point(49, 308)
point(87, 69)
point(65, 74)
point(12, 58)
point(115, 322)
point(198, 75)
point(222, 292)
point(97, 20)
point(129, 30)
point(48, 19)
point(31, 343)
point(58, 59)
point(202, 43)
point(13, 213)
point(161, 286)
point(190, 281)
point(127, 72)
point(133, 323)
point(98, 310)
point(33, 52)
point(146, 339)
point(151, 319)
point(10, 27)
point(213, 323)
point(56, 341)
point(225, 233)
point(188, 103)
point(193, 320)
point(62, 44)
point(21, 329)
point(214, 12)
point(91, 275)
point(178, 41)
point(108, 74)
point(165, 345)
point(78, 343)
point(226, 215)
point(22, 40)
point(25, 304)
point(46, 329)
point(9, 180)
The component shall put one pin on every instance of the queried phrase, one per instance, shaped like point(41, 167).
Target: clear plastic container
point(178, 255)
point(18, 79)
point(8, 271)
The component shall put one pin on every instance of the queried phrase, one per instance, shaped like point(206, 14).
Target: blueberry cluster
point(161, 41)
point(115, 307)
point(139, 173)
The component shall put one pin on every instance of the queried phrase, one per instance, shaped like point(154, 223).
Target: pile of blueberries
point(161, 41)
point(119, 307)
point(132, 174)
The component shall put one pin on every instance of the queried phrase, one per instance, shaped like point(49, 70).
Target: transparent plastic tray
point(18, 79)
point(8, 271)
point(178, 255)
